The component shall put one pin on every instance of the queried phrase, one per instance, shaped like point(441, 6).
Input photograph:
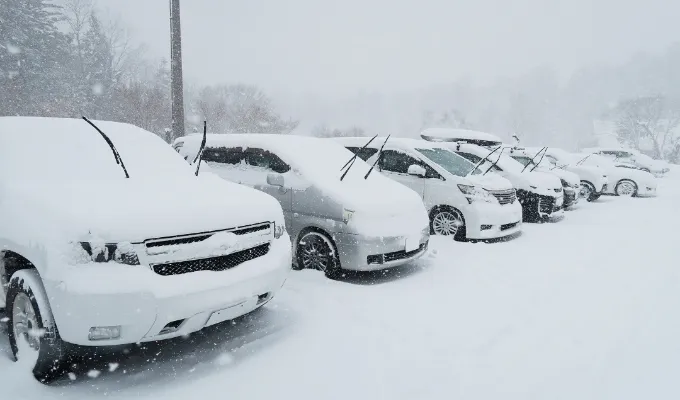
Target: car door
point(394, 164)
point(225, 162)
point(258, 164)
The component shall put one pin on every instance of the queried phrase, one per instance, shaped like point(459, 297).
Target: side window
point(265, 159)
point(394, 161)
point(364, 154)
point(223, 155)
point(178, 147)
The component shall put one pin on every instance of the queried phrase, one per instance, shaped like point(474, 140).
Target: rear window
point(223, 155)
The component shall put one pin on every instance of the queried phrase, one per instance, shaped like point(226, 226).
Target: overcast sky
point(342, 46)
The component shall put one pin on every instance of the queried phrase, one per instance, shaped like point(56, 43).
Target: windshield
point(451, 162)
point(65, 149)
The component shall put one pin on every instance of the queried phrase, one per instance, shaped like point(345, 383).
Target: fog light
point(486, 227)
point(104, 333)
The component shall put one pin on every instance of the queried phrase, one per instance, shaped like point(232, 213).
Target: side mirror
point(275, 180)
point(417, 170)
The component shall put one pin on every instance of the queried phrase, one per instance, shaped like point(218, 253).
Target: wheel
point(587, 191)
point(316, 251)
point(448, 221)
point(626, 188)
point(33, 336)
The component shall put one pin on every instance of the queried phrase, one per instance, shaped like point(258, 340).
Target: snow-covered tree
point(651, 118)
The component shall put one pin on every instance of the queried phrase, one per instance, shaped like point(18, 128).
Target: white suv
point(462, 201)
point(110, 238)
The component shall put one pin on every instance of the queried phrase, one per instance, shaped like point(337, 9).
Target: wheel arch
point(10, 263)
point(309, 229)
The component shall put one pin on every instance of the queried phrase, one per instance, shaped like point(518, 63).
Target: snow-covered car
point(622, 180)
point(633, 157)
point(571, 182)
point(338, 220)
point(593, 179)
point(461, 201)
point(109, 237)
point(540, 194)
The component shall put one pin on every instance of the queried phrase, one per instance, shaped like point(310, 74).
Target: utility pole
point(177, 86)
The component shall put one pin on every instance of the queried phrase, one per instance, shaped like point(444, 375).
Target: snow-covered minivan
point(110, 238)
point(540, 194)
point(341, 215)
point(461, 200)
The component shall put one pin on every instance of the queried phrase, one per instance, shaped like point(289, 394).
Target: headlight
point(534, 187)
point(473, 193)
point(121, 253)
point(347, 215)
point(279, 230)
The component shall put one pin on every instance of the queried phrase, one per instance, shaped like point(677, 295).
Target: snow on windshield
point(70, 149)
point(450, 161)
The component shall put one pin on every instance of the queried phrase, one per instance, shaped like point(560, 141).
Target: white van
point(111, 239)
point(338, 219)
point(461, 201)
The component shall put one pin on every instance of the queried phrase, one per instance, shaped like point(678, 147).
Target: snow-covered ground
point(583, 308)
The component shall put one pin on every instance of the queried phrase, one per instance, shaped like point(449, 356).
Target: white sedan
point(622, 180)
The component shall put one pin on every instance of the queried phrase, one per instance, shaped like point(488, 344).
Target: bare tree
point(653, 118)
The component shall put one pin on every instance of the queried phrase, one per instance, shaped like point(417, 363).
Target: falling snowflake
point(113, 367)
point(12, 49)
point(93, 373)
point(225, 359)
point(72, 376)
point(97, 89)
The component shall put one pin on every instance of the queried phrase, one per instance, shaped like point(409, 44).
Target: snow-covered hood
point(490, 181)
point(571, 178)
point(538, 182)
point(132, 210)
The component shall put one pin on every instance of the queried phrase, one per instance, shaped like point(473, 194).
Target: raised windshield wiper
point(581, 161)
point(541, 160)
point(377, 158)
point(495, 162)
point(351, 161)
point(200, 150)
point(533, 158)
point(116, 155)
point(480, 162)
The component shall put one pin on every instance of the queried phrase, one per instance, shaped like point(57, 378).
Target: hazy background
point(339, 47)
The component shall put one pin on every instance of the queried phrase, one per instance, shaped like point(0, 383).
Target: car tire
point(590, 192)
point(443, 220)
point(315, 250)
point(29, 316)
point(626, 188)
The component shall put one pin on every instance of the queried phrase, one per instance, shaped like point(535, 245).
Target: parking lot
point(581, 307)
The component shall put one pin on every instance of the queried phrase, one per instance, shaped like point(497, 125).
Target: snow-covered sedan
point(622, 180)
point(341, 214)
point(631, 157)
point(571, 182)
point(593, 179)
point(108, 237)
point(461, 200)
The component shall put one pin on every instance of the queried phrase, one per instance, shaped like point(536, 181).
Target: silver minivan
point(339, 215)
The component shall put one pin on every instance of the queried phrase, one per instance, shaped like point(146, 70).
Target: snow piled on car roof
point(458, 134)
point(65, 148)
point(320, 161)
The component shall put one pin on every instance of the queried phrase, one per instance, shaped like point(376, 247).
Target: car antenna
point(480, 162)
point(351, 161)
point(377, 158)
point(116, 155)
point(532, 159)
point(495, 162)
point(539, 161)
point(200, 150)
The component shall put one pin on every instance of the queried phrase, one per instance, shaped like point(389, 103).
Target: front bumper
point(142, 303)
point(490, 221)
point(646, 191)
point(364, 253)
point(571, 197)
point(537, 207)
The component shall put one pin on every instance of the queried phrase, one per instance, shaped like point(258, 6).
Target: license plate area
point(412, 243)
point(230, 312)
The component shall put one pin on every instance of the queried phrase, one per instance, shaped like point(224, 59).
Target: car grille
point(546, 205)
point(557, 190)
point(220, 263)
point(394, 256)
point(199, 237)
point(504, 196)
point(508, 226)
